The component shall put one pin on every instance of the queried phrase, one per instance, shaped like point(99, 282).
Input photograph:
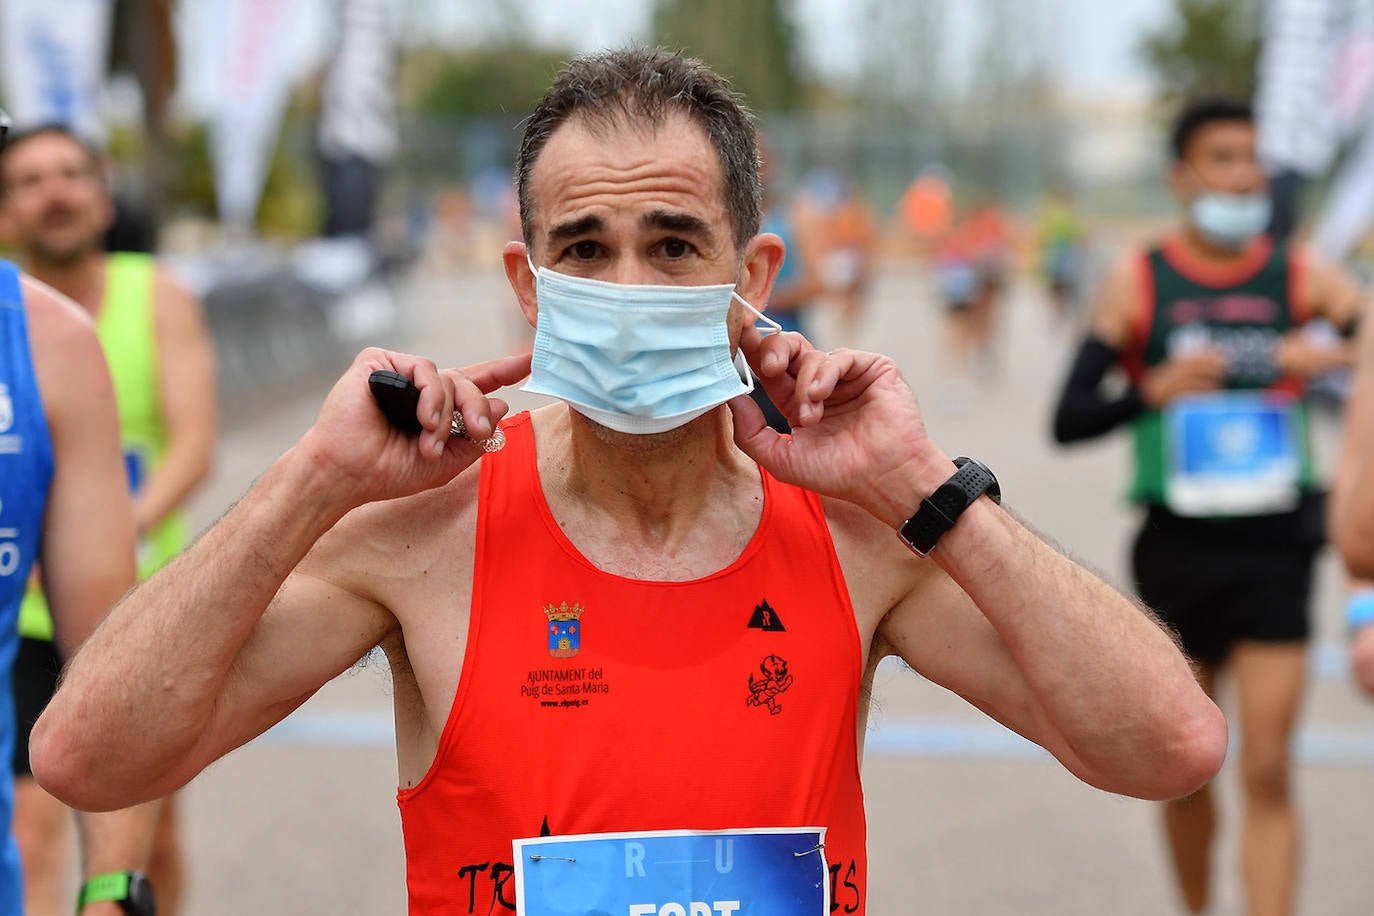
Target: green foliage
point(1211, 48)
point(291, 205)
point(506, 78)
point(752, 43)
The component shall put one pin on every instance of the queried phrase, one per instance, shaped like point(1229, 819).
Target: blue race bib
point(759, 872)
point(1232, 453)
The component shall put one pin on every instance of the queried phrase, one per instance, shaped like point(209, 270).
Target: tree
point(754, 44)
point(504, 78)
point(1211, 48)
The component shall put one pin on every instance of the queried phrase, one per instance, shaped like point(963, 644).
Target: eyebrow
point(574, 228)
point(685, 223)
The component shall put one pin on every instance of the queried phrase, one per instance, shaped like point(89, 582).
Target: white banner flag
point(358, 98)
point(53, 55)
point(255, 71)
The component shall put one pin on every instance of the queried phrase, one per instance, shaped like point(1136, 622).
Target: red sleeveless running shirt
point(592, 703)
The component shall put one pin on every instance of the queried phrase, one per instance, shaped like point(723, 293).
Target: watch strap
point(940, 510)
point(112, 885)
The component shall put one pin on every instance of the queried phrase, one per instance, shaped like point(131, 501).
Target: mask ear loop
point(771, 325)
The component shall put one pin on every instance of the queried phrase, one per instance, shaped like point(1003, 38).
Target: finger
point(751, 344)
point(474, 406)
point(753, 435)
point(808, 367)
point(780, 351)
point(433, 397)
point(498, 373)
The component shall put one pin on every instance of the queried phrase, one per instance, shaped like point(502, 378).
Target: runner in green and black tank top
point(1207, 330)
point(1244, 312)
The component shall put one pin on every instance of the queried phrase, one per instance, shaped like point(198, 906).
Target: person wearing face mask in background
point(1206, 328)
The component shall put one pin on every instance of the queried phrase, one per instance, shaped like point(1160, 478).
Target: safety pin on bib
point(818, 848)
point(534, 858)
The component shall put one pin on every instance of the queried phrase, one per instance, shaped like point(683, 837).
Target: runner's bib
point(1233, 453)
point(756, 872)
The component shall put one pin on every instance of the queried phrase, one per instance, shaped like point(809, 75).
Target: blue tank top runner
point(26, 469)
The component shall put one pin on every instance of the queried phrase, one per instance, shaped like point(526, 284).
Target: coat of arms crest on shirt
point(565, 629)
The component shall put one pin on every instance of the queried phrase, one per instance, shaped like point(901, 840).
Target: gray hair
point(646, 85)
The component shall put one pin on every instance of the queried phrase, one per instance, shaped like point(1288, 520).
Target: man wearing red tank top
point(645, 565)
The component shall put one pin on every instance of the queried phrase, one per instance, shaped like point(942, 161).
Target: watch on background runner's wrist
point(130, 889)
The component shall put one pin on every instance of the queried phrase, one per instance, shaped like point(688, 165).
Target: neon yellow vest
point(126, 330)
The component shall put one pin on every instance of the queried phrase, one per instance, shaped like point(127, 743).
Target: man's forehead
point(586, 158)
point(50, 149)
point(1227, 133)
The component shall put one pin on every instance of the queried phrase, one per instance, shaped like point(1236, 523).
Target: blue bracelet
point(1359, 609)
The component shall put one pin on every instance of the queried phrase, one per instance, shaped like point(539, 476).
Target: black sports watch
point(940, 510)
point(130, 889)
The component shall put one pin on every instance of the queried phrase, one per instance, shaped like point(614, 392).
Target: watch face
point(140, 901)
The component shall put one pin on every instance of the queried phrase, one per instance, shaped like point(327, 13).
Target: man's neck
point(656, 485)
point(82, 280)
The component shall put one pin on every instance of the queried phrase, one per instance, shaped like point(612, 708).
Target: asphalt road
point(964, 818)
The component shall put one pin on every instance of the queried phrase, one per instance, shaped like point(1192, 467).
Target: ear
point(762, 260)
point(8, 236)
point(515, 258)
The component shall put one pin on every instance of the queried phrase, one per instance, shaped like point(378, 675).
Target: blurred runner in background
point(848, 242)
point(1059, 238)
point(926, 210)
point(1206, 326)
point(55, 208)
point(62, 502)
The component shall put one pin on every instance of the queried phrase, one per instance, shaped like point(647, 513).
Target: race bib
point(1232, 453)
point(758, 872)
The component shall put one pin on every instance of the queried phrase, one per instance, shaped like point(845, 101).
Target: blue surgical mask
point(636, 358)
point(1230, 220)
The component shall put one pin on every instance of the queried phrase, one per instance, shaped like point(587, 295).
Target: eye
point(675, 249)
point(584, 251)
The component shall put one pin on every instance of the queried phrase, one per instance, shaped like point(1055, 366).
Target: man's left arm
point(1052, 651)
point(186, 381)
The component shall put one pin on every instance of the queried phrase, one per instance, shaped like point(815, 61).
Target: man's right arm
point(226, 640)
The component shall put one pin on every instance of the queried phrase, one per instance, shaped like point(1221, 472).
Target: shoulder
point(59, 329)
point(1121, 295)
point(68, 359)
point(170, 294)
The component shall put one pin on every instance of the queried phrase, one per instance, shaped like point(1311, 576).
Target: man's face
point(54, 205)
point(1220, 156)
point(632, 206)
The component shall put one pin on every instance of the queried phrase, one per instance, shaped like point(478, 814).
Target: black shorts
point(36, 668)
point(1219, 583)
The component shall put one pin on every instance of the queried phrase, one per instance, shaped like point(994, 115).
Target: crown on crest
point(563, 611)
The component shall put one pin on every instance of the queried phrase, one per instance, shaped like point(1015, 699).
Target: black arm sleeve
point(1082, 412)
